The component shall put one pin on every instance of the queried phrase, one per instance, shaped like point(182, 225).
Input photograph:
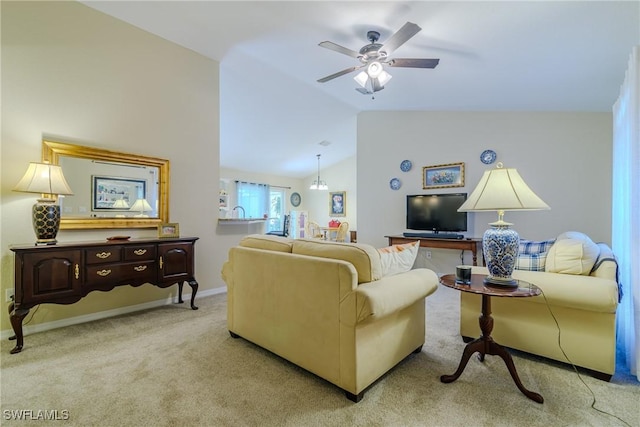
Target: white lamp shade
point(121, 204)
point(384, 78)
point(502, 189)
point(374, 69)
point(361, 78)
point(141, 205)
point(44, 178)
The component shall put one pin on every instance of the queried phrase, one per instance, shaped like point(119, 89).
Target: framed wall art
point(116, 194)
point(169, 229)
point(443, 176)
point(338, 203)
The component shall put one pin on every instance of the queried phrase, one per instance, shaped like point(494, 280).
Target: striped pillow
point(532, 247)
point(532, 254)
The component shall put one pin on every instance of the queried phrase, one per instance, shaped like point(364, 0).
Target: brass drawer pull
point(103, 273)
point(140, 268)
point(140, 251)
point(161, 262)
point(77, 271)
point(103, 255)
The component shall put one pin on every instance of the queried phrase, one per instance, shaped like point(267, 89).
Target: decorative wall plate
point(488, 156)
point(405, 166)
point(295, 199)
point(395, 184)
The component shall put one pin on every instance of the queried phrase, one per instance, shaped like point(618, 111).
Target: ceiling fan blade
point(340, 49)
point(407, 31)
point(363, 91)
point(339, 73)
point(413, 62)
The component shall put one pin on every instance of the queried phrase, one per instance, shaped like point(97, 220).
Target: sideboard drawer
point(131, 273)
point(103, 254)
point(140, 253)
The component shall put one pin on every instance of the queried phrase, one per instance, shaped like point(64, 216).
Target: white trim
point(41, 327)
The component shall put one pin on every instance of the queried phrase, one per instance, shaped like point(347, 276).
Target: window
point(277, 197)
point(253, 198)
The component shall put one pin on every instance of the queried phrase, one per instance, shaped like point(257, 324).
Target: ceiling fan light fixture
point(362, 78)
point(384, 78)
point(374, 69)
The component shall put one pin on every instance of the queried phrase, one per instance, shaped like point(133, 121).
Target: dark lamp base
point(46, 222)
point(506, 283)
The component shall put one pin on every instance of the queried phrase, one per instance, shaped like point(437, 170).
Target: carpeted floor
point(172, 366)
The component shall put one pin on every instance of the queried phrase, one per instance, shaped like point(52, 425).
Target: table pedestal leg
point(486, 345)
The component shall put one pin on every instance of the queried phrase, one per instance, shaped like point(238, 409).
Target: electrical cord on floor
point(33, 313)
point(593, 403)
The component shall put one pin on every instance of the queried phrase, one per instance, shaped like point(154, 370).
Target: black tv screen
point(436, 212)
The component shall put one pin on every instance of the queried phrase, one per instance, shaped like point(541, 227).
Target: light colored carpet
point(172, 366)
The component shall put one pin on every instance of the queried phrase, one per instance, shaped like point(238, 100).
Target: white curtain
point(254, 199)
point(626, 210)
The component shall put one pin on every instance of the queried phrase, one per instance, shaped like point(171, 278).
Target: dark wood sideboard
point(67, 272)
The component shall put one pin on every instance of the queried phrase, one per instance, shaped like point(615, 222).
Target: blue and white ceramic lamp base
point(500, 246)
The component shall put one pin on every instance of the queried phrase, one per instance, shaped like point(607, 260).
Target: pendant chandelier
point(318, 184)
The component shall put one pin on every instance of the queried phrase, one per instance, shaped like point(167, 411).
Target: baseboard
point(41, 327)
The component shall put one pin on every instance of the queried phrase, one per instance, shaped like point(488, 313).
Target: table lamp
point(142, 206)
point(49, 181)
point(501, 189)
point(120, 204)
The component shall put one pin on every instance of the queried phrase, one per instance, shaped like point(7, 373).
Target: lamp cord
point(593, 402)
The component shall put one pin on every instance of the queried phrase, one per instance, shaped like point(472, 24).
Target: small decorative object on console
point(118, 238)
point(170, 229)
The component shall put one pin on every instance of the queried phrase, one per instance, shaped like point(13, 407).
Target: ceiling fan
point(375, 56)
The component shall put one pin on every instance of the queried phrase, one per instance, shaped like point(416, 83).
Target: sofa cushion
point(535, 247)
point(572, 253)
point(267, 242)
point(531, 262)
point(365, 258)
point(398, 259)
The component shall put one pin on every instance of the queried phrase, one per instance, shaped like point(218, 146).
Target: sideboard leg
point(194, 290)
point(17, 316)
point(180, 292)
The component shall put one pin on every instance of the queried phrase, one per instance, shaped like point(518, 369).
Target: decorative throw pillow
point(398, 259)
point(531, 262)
point(535, 247)
point(532, 255)
point(573, 253)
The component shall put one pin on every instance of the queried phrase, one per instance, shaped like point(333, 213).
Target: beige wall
point(564, 157)
point(78, 75)
point(339, 177)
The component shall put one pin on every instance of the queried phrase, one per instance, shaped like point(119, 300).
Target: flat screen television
point(436, 212)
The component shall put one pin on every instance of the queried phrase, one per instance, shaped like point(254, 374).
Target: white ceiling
point(494, 56)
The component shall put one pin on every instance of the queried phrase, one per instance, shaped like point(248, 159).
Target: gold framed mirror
point(111, 189)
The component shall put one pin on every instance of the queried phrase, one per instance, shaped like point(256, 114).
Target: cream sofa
point(579, 287)
point(325, 307)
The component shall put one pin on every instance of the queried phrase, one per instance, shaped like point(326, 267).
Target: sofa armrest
point(390, 294)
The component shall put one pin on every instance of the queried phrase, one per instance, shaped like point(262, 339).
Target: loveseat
point(578, 279)
point(327, 307)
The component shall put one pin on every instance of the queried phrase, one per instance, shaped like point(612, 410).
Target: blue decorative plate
point(405, 166)
point(395, 184)
point(488, 156)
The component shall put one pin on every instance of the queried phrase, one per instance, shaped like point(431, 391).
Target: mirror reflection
point(111, 189)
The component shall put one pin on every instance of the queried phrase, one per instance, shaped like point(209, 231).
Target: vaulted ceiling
point(494, 56)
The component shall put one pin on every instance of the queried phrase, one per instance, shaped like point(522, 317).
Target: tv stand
point(436, 235)
point(469, 244)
